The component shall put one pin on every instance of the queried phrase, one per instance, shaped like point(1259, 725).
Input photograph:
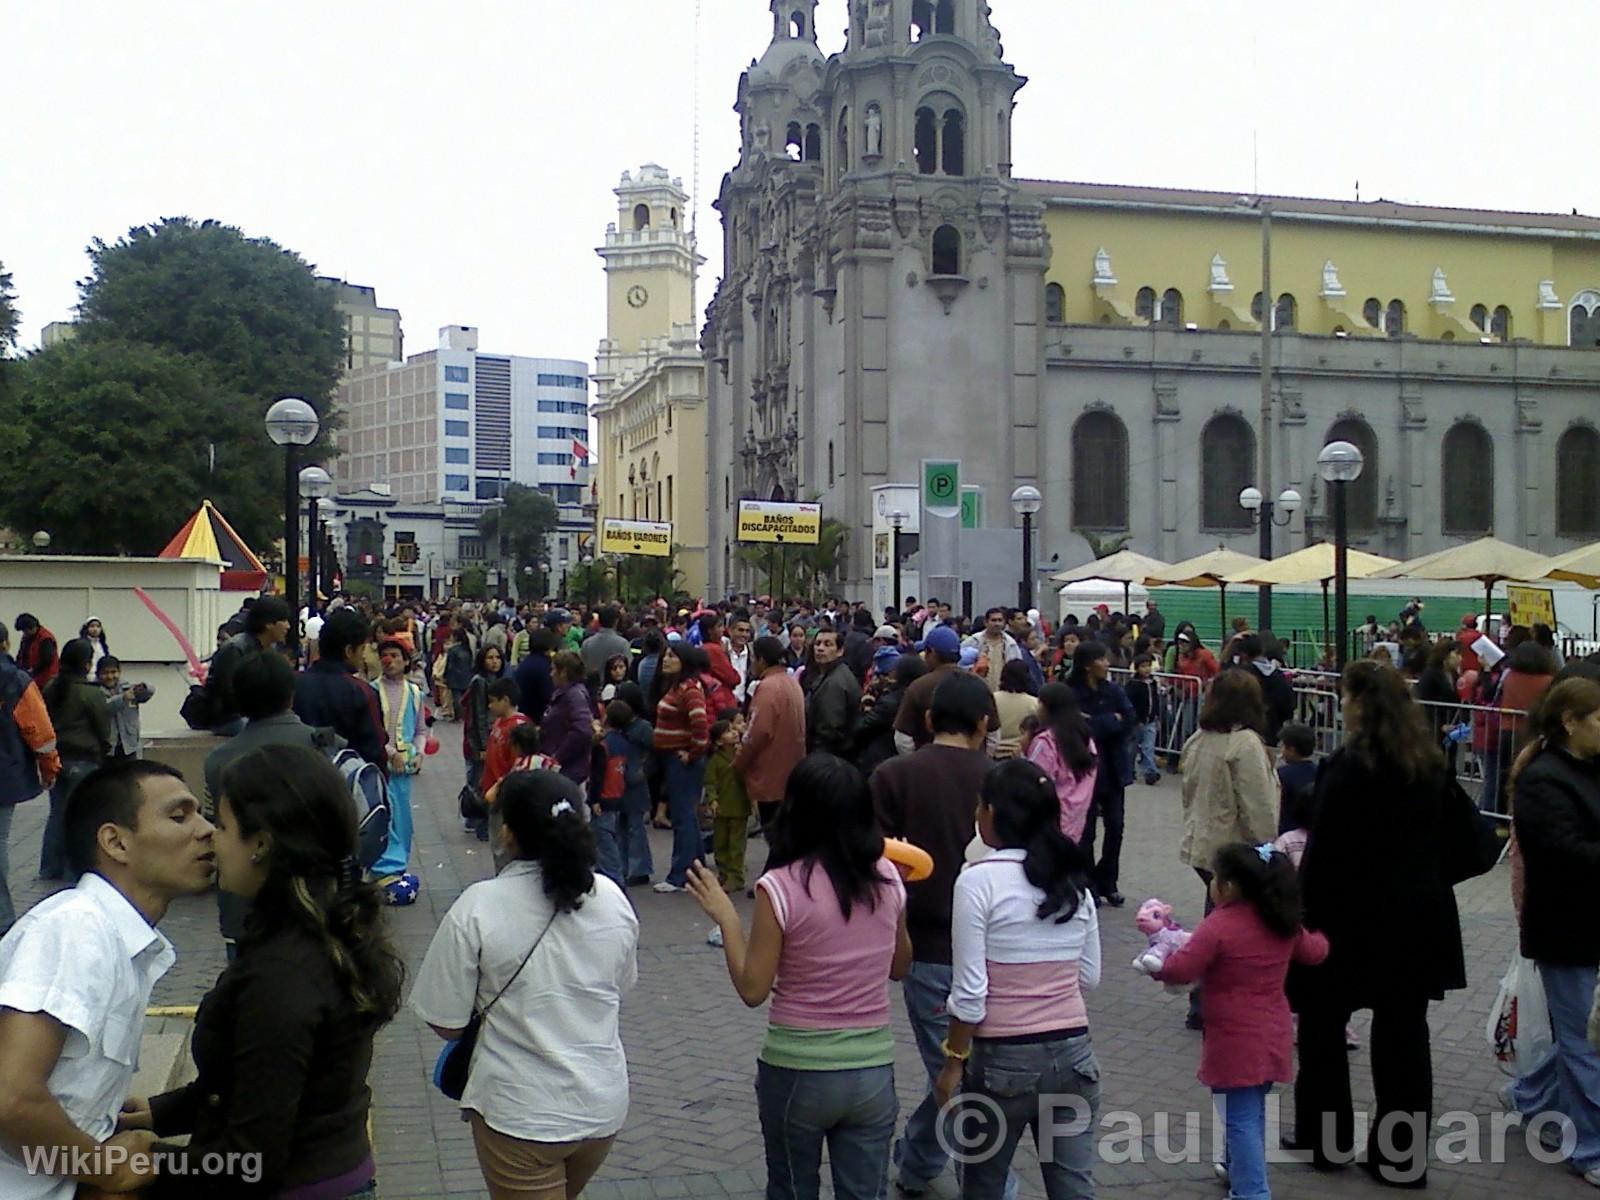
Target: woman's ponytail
point(1027, 816)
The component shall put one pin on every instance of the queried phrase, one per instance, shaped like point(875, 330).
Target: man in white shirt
point(737, 645)
point(76, 973)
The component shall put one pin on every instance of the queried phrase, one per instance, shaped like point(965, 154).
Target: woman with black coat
point(1556, 807)
point(1382, 860)
point(874, 731)
point(1110, 715)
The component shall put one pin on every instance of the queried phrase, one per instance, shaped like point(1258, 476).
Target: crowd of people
point(942, 804)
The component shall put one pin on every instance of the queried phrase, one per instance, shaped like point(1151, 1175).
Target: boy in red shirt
point(501, 755)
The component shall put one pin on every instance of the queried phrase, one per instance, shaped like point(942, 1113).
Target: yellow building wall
point(669, 302)
point(1166, 250)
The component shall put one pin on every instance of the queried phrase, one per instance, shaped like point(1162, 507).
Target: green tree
point(592, 582)
point(251, 311)
point(528, 518)
point(644, 578)
point(8, 314)
point(1105, 547)
point(111, 445)
point(808, 571)
point(473, 584)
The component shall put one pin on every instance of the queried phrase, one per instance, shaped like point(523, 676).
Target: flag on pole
point(580, 453)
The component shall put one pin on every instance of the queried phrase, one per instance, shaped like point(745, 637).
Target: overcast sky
point(459, 157)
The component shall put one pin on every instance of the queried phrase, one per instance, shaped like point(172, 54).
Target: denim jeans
point(8, 914)
point(684, 783)
point(918, 1154)
point(1569, 991)
point(852, 1111)
point(1144, 742)
point(1012, 1079)
point(52, 850)
point(608, 854)
point(1244, 1116)
point(633, 835)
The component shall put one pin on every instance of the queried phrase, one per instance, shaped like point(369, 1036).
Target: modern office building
point(455, 426)
point(372, 334)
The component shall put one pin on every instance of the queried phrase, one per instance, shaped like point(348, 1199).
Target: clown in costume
point(406, 718)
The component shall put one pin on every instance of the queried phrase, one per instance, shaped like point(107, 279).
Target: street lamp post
point(1340, 465)
point(41, 540)
point(1026, 501)
point(292, 423)
point(315, 483)
point(897, 520)
point(1262, 512)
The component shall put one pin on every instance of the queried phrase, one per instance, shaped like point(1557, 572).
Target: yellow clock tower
point(650, 375)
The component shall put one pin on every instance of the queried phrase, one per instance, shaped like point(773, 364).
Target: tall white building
point(456, 426)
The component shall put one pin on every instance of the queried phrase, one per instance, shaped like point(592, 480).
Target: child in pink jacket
point(1240, 956)
point(1064, 750)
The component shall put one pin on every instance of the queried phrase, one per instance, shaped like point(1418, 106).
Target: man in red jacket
point(722, 670)
point(776, 737)
point(36, 653)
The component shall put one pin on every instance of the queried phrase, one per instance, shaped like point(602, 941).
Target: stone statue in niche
point(761, 139)
point(874, 128)
point(878, 23)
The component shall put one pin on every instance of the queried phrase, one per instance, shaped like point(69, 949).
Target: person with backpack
point(621, 846)
point(405, 720)
point(331, 695)
point(266, 623)
point(77, 709)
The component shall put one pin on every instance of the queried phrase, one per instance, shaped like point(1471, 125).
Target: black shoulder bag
point(455, 1060)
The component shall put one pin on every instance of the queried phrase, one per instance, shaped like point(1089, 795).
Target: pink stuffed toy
point(1156, 922)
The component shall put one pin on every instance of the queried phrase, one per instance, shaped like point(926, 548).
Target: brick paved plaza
point(692, 1128)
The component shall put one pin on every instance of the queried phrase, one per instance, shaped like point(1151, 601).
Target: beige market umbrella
point(1208, 570)
point(1488, 560)
point(1580, 566)
point(1125, 567)
point(1314, 564)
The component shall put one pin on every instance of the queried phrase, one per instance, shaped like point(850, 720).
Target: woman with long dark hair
point(1015, 701)
point(1556, 789)
point(557, 944)
point(1381, 837)
point(472, 706)
point(682, 741)
point(283, 1042)
point(1064, 750)
point(1110, 715)
point(95, 631)
point(829, 934)
point(1025, 945)
point(82, 723)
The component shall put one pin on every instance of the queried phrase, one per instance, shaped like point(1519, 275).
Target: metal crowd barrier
point(1480, 742)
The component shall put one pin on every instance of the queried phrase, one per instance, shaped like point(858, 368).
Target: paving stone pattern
point(692, 1129)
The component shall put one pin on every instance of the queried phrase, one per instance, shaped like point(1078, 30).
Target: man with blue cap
point(941, 650)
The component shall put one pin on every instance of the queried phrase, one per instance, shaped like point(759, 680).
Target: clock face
point(637, 296)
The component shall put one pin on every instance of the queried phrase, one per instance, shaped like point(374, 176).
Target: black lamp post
point(315, 483)
point(1026, 501)
point(1263, 513)
point(292, 423)
point(1340, 465)
point(897, 520)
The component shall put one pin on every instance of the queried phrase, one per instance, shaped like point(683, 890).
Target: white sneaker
point(1592, 1177)
point(664, 887)
point(1220, 1170)
point(714, 938)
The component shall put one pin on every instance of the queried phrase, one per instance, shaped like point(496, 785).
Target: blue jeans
point(1144, 743)
point(1244, 1116)
point(633, 834)
point(684, 785)
point(52, 850)
point(8, 914)
point(918, 1153)
point(852, 1111)
point(607, 853)
point(1013, 1079)
point(1569, 991)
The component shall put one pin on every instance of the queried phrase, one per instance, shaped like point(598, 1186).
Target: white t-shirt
point(89, 959)
point(549, 1066)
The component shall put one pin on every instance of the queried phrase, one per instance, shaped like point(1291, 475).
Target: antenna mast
point(694, 183)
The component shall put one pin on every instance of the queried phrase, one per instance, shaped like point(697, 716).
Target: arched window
point(1480, 317)
point(1583, 321)
point(1144, 304)
point(813, 143)
point(1468, 479)
point(946, 250)
point(1578, 483)
point(797, 24)
point(1394, 318)
point(1227, 467)
point(1500, 324)
point(1361, 497)
point(1055, 304)
point(926, 146)
point(674, 215)
point(1099, 472)
point(945, 17)
point(1372, 312)
point(842, 156)
point(641, 216)
point(1288, 312)
point(1171, 308)
point(1255, 306)
point(794, 142)
point(921, 19)
point(955, 142)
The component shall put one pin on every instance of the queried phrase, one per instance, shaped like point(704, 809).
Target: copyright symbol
point(976, 1126)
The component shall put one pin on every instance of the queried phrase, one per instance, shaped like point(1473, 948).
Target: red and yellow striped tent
point(207, 534)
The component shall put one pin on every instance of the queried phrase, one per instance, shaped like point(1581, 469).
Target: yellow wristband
point(949, 1053)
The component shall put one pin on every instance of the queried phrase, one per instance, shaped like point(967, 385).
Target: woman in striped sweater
point(682, 739)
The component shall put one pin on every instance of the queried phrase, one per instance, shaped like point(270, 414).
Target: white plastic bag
point(1519, 1021)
